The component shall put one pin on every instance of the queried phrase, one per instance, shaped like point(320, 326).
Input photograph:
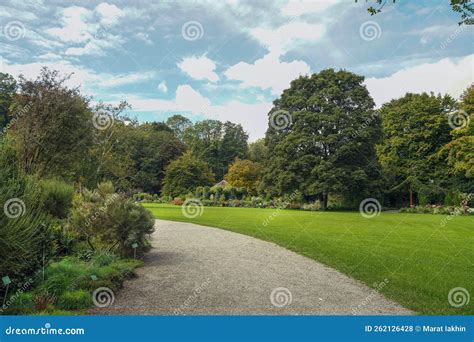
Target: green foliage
point(185, 174)
point(245, 174)
point(25, 236)
point(53, 134)
point(56, 197)
point(415, 127)
point(216, 143)
point(8, 89)
point(257, 151)
point(74, 300)
point(109, 219)
point(327, 145)
point(179, 124)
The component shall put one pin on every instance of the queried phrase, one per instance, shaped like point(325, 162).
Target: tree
point(321, 138)
point(217, 143)
point(8, 89)
point(257, 151)
point(53, 126)
point(415, 127)
point(185, 174)
point(244, 174)
point(179, 124)
point(464, 7)
point(459, 153)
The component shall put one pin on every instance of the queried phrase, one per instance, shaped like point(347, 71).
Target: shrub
point(56, 197)
point(25, 237)
point(177, 201)
point(109, 220)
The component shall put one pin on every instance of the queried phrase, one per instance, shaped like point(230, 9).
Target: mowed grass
point(421, 258)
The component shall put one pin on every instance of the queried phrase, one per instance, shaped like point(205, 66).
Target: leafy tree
point(257, 151)
point(8, 89)
point(179, 124)
point(327, 143)
point(185, 174)
point(415, 127)
point(244, 174)
point(217, 143)
point(464, 7)
point(459, 153)
point(53, 126)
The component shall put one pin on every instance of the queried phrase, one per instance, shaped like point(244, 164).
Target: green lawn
point(421, 258)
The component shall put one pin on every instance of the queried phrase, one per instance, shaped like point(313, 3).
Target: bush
point(56, 197)
point(109, 220)
point(25, 236)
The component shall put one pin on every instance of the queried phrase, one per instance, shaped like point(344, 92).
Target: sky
point(229, 60)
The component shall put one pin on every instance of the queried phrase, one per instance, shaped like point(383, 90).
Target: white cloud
point(75, 27)
point(267, 72)
point(162, 87)
point(288, 36)
point(144, 37)
point(122, 79)
point(445, 76)
point(109, 13)
point(300, 7)
point(199, 68)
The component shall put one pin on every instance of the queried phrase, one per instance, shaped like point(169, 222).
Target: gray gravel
point(197, 270)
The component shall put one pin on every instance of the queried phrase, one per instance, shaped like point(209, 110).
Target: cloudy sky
point(230, 59)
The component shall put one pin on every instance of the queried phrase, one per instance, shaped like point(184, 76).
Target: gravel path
point(197, 270)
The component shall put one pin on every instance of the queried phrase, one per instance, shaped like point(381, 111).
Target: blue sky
point(229, 60)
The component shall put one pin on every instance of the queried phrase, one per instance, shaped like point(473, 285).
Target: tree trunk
point(323, 200)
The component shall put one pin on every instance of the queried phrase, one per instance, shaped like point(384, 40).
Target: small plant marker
point(134, 246)
point(6, 281)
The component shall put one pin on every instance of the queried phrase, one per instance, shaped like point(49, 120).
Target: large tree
point(178, 124)
point(415, 127)
point(217, 143)
point(321, 138)
point(53, 126)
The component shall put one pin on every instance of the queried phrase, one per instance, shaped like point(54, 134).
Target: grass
point(421, 258)
point(69, 283)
